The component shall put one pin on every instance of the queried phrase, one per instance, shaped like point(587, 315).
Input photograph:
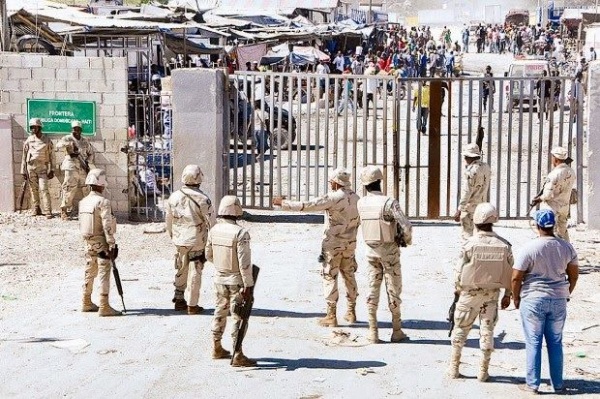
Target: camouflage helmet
point(485, 213)
point(35, 122)
point(75, 124)
point(340, 176)
point(472, 151)
point(192, 175)
point(96, 177)
point(230, 206)
point(370, 174)
point(560, 153)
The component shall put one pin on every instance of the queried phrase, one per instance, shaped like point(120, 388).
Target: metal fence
point(289, 130)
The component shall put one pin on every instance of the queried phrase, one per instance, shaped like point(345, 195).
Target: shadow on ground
point(284, 313)
point(267, 363)
point(165, 312)
point(294, 218)
point(572, 386)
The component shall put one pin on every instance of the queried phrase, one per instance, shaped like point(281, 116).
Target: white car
point(522, 91)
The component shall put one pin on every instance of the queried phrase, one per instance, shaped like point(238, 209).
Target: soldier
point(384, 228)
point(228, 248)
point(339, 242)
point(475, 185)
point(79, 159)
point(37, 166)
point(98, 226)
point(485, 267)
point(189, 216)
point(556, 193)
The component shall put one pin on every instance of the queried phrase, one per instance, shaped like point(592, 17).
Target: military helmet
point(35, 122)
point(472, 151)
point(192, 175)
point(75, 124)
point(230, 206)
point(96, 177)
point(340, 176)
point(485, 213)
point(370, 174)
point(560, 153)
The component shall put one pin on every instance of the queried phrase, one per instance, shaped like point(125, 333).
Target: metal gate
point(289, 130)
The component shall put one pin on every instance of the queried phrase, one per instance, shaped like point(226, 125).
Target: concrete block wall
point(103, 80)
point(593, 168)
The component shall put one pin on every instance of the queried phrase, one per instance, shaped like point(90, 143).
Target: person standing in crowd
point(489, 88)
point(339, 62)
point(322, 71)
point(544, 276)
point(465, 38)
point(37, 166)
point(474, 190)
point(228, 248)
point(450, 64)
point(556, 192)
point(98, 227)
point(346, 100)
point(421, 97)
point(189, 216)
point(371, 84)
point(385, 228)
point(79, 159)
point(485, 268)
point(339, 241)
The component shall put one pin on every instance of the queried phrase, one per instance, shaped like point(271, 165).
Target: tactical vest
point(375, 228)
point(224, 245)
point(487, 269)
point(90, 220)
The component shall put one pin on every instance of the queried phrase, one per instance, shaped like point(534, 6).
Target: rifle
point(243, 310)
point(22, 193)
point(112, 255)
point(480, 135)
point(82, 161)
point(399, 239)
point(451, 313)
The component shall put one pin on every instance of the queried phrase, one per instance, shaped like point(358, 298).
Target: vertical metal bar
point(395, 141)
point(540, 141)
point(318, 149)
point(365, 118)
point(470, 110)
point(308, 141)
point(299, 141)
point(407, 149)
point(461, 116)
point(355, 131)
point(326, 156)
point(418, 165)
point(234, 134)
point(335, 130)
point(580, 145)
point(500, 134)
point(561, 109)
point(384, 138)
point(449, 150)
point(291, 128)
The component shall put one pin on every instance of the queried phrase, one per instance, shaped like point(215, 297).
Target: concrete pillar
point(593, 169)
point(7, 194)
point(198, 127)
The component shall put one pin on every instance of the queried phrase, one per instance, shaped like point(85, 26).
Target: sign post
point(57, 115)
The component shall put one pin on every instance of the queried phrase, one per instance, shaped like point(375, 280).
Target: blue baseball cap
point(544, 218)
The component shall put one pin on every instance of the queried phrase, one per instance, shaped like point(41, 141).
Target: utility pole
point(4, 35)
point(370, 16)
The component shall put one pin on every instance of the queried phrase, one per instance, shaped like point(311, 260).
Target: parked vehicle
point(519, 92)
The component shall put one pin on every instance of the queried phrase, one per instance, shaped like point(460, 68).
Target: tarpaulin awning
point(190, 45)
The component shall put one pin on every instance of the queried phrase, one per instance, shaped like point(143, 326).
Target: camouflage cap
point(340, 176)
point(560, 153)
point(370, 174)
point(485, 213)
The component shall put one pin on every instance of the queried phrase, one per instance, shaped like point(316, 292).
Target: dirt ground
point(50, 349)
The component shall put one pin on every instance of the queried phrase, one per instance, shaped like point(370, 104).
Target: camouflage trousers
point(473, 303)
point(96, 266)
point(561, 226)
point(187, 276)
point(466, 224)
point(227, 296)
point(384, 264)
point(335, 263)
point(38, 181)
point(74, 181)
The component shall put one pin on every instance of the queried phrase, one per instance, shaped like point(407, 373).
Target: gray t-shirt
point(544, 261)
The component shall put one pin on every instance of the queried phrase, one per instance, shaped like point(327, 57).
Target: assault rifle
point(112, 255)
point(451, 313)
point(399, 239)
point(243, 310)
point(22, 192)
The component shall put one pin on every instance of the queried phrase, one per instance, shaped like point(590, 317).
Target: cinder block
point(114, 99)
point(122, 206)
point(119, 63)
point(3, 75)
point(60, 85)
point(17, 155)
point(31, 85)
point(122, 111)
point(98, 145)
point(78, 86)
point(78, 63)
point(19, 73)
point(100, 63)
point(105, 133)
point(11, 60)
point(100, 86)
point(105, 110)
point(20, 97)
point(43, 73)
point(31, 60)
point(54, 61)
point(7, 84)
point(50, 95)
point(120, 85)
point(92, 74)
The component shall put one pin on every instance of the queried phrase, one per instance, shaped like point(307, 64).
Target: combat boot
point(87, 305)
point(373, 331)
point(180, 304)
point(483, 375)
point(350, 315)
point(397, 333)
point(240, 360)
point(330, 319)
point(64, 214)
point(219, 352)
point(454, 365)
point(37, 211)
point(105, 309)
point(195, 309)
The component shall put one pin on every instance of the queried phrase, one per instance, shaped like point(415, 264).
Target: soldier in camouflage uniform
point(228, 248)
point(98, 226)
point(79, 159)
point(37, 165)
point(475, 185)
point(556, 194)
point(189, 216)
point(339, 242)
point(485, 268)
point(384, 228)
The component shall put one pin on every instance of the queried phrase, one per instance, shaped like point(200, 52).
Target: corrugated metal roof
point(264, 5)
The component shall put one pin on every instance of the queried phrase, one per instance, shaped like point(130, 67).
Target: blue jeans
point(543, 318)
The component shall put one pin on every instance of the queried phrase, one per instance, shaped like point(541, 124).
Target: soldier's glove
point(51, 175)
point(321, 258)
point(199, 258)
point(113, 252)
point(73, 155)
point(248, 294)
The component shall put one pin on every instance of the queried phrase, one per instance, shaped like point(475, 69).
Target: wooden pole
point(435, 124)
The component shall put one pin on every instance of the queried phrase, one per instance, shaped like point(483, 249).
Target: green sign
point(57, 115)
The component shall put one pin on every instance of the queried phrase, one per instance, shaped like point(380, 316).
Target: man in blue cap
point(544, 275)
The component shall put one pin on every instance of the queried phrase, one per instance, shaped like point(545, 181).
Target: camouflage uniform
point(189, 216)
point(339, 240)
point(556, 196)
point(485, 268)
point(98, 226)
point(378, 214)
point(37, 162)
point(474, 190)
point(76, 152)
